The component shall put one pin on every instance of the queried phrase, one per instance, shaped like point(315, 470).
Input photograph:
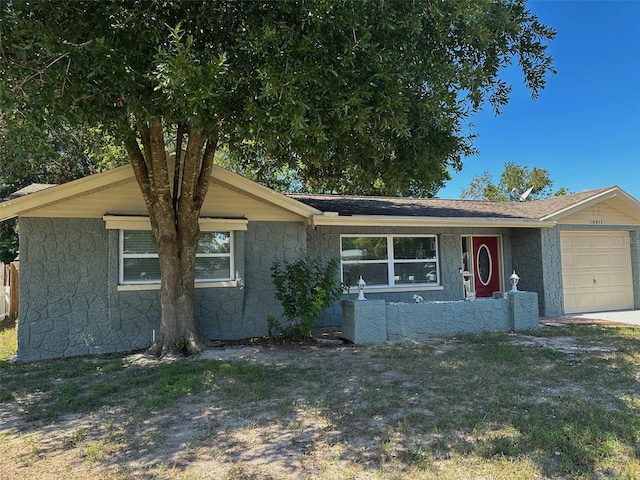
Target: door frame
point(471, 260)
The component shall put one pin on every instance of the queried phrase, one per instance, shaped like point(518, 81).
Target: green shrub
point(181, 347)
point(304, 288)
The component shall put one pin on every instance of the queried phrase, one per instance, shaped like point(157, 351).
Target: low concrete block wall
point(374, 321)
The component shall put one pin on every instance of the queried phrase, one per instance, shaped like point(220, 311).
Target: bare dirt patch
point(394, 411)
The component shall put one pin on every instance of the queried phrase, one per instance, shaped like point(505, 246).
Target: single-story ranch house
point(89, 281)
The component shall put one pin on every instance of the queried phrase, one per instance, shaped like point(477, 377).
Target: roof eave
point(121, 175)
point(76, 188)
point(403, 221)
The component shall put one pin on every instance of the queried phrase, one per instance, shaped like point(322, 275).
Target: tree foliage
point(514, 185)
point(33, 154)
point(360, 96)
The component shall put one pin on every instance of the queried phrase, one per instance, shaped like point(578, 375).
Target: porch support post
point(364, 321)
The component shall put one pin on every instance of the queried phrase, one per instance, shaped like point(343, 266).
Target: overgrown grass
point(477, 406)
point(8, 343)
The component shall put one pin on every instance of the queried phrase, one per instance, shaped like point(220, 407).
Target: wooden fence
point(9, 290)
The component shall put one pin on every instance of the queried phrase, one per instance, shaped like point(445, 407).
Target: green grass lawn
point(558, 403)
point(8, 343)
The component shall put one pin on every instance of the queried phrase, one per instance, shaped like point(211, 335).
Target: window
point(139, 262)
point(390, 260)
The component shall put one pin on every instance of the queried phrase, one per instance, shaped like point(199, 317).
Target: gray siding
point(63, 289)
point(325, 242)
point(527, 261)
point(70, 303)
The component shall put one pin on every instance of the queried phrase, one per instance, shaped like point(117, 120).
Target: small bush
point(304, 288)
point(181, 347)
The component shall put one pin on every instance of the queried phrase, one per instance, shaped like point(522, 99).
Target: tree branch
point(43, 69)
point(177, 169)
point(139, 168)
point(205, 170)
point(160, 186)
point(191, 171)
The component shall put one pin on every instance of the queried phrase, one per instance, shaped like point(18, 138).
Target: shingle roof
point(33, 188)
point(348, 205)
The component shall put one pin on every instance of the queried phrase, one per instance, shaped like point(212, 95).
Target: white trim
point(490, 276)
point(151, 283)
point(390, 221)
point(420, 287)
point(390, 261)
point(217, 224)
point(124, 175)
point(222, 176)
point(207, 224)
point(74, 189)
point(156, 286)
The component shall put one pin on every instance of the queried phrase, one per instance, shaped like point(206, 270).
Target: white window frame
point(122, 256)
point(390, 260)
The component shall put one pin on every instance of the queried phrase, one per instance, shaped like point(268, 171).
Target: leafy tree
point(364, 92)
point(517, 183)
point(29, 154)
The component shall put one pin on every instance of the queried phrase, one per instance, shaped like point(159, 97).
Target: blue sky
point(584, 128)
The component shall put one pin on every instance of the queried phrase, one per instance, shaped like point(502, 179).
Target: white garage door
point(596, 271)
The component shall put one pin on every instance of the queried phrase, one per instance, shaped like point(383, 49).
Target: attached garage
point(596, 271)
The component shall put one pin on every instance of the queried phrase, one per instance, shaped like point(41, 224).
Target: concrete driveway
point(631, 317)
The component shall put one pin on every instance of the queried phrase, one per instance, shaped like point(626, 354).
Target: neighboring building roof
point(29, 189)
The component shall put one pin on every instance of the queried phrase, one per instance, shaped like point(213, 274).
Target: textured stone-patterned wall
point(374, 321)
point(225, 313)
point(63, 289)
point(135, 314)
point(526, 247)
point(421, 321)
point(325, 241)
point(265, 243)
point(553, 301)
point(70, 303)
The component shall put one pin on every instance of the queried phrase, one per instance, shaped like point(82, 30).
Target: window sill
point(403, 288)
point(156, 286)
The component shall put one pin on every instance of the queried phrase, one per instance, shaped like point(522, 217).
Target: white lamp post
point(514, 281)
point(361, 285)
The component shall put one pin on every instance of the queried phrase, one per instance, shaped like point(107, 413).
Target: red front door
point(486, 266)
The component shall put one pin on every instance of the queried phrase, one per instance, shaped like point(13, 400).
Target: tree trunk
point(174, 206)
point(178, 327)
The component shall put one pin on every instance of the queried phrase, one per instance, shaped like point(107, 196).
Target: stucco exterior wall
point(526, 246)
point(325, 242)
point(70, 303)
point(63, 289)
point(376, 321)
point(265, 243)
